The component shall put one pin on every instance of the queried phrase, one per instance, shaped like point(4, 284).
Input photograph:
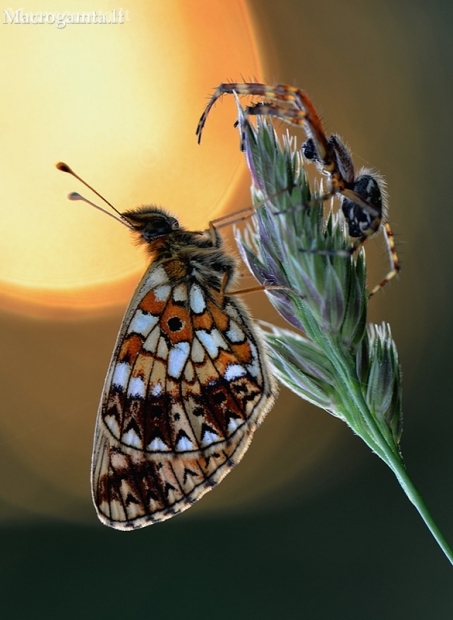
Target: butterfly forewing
point(186, 388)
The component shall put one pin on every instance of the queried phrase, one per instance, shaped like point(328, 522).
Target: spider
point(363, 196)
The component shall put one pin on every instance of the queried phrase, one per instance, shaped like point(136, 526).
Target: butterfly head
point(151, 223)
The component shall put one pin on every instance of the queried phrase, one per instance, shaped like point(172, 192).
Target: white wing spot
point(233, 424)
point(197, 302)
point(219, 339)
point(254, 369)
point(254, 366)
point(132, 439)
point(156, 390)
point(232, 312)
point(158, 444)
point(136, 388)
point(162, 293)
point(112, 425)
point(177, 357)
point(142, 323)
point(183, 444)
point(209, 437)
point(235, 333)
point(121, 374)
point(211, 341)
point(180, 292)
point(234, 371)
point(158, 276)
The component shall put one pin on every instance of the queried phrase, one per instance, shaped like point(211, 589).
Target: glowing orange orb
point(119, 103)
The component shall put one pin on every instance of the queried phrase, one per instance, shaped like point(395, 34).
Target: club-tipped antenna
point(75, 196)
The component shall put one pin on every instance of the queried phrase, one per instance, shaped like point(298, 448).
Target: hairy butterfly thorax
point(200, 253)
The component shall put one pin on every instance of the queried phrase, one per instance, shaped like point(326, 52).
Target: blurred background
point(310, 525)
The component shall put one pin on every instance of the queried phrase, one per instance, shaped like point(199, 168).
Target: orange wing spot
point(149, 303)
point(202, 321)
point(173, 388)
point(220, 318)
point(242, 352)
point(158, 374)
point(188, 391)
point(130, 348)
point(143, 366)
point(224, 359)
point(175, 323)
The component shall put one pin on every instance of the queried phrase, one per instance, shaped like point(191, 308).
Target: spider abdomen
point(360, 220)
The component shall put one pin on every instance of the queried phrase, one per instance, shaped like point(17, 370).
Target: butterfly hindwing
point(186, 388)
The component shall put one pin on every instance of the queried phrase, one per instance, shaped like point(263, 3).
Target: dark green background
point(351, 547)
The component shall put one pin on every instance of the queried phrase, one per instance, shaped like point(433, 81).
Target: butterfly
point(188, 381)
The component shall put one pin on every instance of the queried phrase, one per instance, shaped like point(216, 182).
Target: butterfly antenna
point(75, 196)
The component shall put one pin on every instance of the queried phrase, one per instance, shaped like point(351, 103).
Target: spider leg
point(292, 116)
point(353, 197)
point(228, 88)
point(391, 248)
point(357, 200)
point(280, 93)
point(303, 114)
point(394, 260)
